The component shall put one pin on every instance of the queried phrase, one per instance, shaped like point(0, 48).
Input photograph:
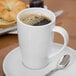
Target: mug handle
point(64, 34)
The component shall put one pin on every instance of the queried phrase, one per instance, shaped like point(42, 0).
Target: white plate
point(12, 65)
point(9, 29)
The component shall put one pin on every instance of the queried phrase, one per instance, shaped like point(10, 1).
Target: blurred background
point(66, 20)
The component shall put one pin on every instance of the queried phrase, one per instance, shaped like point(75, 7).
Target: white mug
point(36, 41)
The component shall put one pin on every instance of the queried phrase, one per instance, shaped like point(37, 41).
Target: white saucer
point(12, 65)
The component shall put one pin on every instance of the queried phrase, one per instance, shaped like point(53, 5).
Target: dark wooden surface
point(66, 20)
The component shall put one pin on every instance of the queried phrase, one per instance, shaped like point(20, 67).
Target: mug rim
point(35, 8)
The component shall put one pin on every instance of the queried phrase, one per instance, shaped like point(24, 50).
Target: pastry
point(9, 10)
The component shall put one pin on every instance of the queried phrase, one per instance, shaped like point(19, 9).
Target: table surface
point(66, 20)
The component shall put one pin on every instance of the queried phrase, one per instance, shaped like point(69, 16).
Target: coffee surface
point(35, 19)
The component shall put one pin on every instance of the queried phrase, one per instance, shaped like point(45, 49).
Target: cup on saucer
point(36, 27)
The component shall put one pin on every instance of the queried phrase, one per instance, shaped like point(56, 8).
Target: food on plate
point(8, 12)
point(6, 24)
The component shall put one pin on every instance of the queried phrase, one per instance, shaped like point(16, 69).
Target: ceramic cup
point(36, 41)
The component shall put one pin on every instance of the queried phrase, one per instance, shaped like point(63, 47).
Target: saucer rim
point(56, 44)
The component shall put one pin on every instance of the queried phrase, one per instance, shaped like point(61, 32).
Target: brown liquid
point(42, 22)
point(35, 19)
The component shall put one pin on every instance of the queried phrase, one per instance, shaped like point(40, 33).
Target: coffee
point(35, 19)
